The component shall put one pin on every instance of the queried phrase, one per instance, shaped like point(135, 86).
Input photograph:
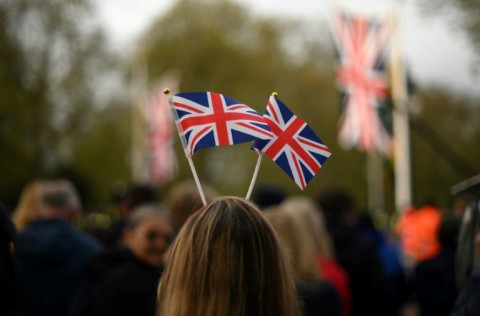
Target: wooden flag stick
point(184, 145)
point(257, 167)
point(255, 174)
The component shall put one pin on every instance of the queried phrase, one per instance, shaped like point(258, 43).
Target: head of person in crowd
point(137, 195)
point(309, 216)
point(449, 230)
point(296, 223)
point(227, 260)
point(28, 205)
point(268, 195)
point(183, 200)
point(59, 200)
point(337, 205)
point(148, 233)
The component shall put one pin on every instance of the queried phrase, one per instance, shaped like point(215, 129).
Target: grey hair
point(61, 195)
point(144, 212)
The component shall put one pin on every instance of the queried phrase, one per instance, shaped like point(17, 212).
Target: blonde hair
point(29, 204)
point(226, 260)
point(302, 231)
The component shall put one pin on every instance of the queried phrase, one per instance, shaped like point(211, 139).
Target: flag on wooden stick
point(294, 146)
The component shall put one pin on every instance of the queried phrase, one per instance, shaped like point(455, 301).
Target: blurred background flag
point(362, 46)
point(209, 119)
point(294, 146)
point(163, 161)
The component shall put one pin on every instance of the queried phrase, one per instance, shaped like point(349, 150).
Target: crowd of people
point(273, 255)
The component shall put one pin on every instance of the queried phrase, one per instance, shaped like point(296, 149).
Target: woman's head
point(295, 223)
point(310, 219)
point(148, 233)
point(226, 260)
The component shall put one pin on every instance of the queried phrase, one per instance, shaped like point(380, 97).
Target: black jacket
point(468, 302)
point(319, 298)
point(118, 284)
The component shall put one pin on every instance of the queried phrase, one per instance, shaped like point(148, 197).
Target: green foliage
point(52, 66)
point(449, 153)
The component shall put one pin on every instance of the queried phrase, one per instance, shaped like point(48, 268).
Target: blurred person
point(312, 219)
point(227, 260)
point(390, 258)
point(468, 301)
point(468, 258)
point(135, 196)
point(435, 277)
point(183, 199)
point(418, 232)
point(9, 304)
point(28, 205)
point(296, 227)
point(50, 252)
point(268, 195)
point(371, 292)
point(124, 281)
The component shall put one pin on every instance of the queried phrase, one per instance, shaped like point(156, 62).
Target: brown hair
point(226, 260)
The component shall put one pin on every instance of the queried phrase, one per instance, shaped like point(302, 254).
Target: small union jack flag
point(208, 119)
point(362, 46)
point(294, 146)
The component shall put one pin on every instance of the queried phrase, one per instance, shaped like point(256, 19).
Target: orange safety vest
point(418, 231)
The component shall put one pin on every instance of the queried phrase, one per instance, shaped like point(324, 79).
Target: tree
point(53, 67)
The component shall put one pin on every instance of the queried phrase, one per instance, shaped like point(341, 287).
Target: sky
point(436, 53)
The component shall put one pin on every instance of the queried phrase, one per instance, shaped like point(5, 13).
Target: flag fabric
point(208, 119)
point(162, 158)
point(294, 146)
point(362, 47)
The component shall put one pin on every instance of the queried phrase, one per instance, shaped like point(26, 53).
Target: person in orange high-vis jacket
point(418, 230)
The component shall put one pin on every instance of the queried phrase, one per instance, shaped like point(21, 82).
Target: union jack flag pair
point(208, 119)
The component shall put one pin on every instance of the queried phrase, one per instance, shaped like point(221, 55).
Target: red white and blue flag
point(208, 119)
point(294, 146)
point(362, 46)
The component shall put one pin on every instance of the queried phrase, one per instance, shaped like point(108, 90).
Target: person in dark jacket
point(371, 293)
point(468, 301)
point(50, 253)
point(435, 277)
point(9, 304)
point(293, 221)
point(124, 281)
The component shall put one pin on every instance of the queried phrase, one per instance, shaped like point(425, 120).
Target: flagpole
point(138, 115)
point(257, 167)
point(255, 174)
point(190, 161)
point(402, 159)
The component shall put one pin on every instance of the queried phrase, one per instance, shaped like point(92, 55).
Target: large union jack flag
point(208, 119)
point(294, 146)
point(362, 46)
